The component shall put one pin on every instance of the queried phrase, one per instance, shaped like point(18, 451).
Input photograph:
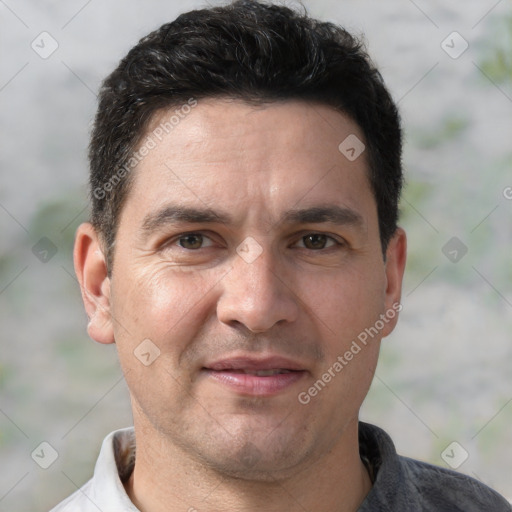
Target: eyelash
point(329, 239)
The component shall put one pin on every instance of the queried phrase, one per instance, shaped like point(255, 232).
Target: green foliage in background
point(497, 59)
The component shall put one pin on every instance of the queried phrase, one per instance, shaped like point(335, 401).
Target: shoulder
point(401, 483)
point(105, 491)
point(439, 487)
point(77, 501)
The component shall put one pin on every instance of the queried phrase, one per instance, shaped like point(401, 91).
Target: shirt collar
point(116, 458)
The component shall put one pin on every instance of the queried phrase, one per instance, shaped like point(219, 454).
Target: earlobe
point(396, 256)
point(91, 271)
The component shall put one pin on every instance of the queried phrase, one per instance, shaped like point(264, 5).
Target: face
point(248, 254)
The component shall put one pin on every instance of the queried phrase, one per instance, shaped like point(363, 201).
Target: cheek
point(345, 310)
point(163, 304)
point(346, 305)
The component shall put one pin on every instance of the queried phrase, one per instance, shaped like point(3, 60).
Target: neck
point(165, 478)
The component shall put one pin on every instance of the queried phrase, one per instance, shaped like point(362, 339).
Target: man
point(244, 256)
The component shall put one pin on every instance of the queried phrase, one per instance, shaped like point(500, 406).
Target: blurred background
point(445, 374)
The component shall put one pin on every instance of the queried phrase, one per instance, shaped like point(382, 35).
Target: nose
point(257, 295)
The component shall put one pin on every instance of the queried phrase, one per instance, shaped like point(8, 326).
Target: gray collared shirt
point(403, 484)
point(400, 484)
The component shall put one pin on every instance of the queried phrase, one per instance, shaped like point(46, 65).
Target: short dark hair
point(246, 50)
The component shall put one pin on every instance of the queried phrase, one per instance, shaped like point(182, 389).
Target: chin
point(250, 464)
point(257, 457)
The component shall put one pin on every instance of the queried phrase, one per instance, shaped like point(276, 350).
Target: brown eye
point(315, 241)
point(192, 241)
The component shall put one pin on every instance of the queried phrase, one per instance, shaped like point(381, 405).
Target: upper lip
point(254, 363)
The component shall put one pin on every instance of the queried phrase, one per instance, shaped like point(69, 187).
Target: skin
point(200, 443)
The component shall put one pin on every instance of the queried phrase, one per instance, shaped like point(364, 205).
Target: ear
point(91, 271)
point(396, 255)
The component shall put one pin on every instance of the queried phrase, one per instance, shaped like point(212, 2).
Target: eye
point(317, 241)
point(194, 241)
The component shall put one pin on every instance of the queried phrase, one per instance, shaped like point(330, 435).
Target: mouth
point(261, 373)
point(256, 377)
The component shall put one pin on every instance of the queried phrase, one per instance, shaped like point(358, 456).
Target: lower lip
point(256, 385)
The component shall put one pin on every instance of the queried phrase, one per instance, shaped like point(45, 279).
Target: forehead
point(222, 124)
point(231, 154)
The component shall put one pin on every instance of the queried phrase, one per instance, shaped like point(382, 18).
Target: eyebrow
point(330, 213)
point(170, 214)
point(174, 214)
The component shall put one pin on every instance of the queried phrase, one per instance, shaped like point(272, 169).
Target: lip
point(238, 374)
